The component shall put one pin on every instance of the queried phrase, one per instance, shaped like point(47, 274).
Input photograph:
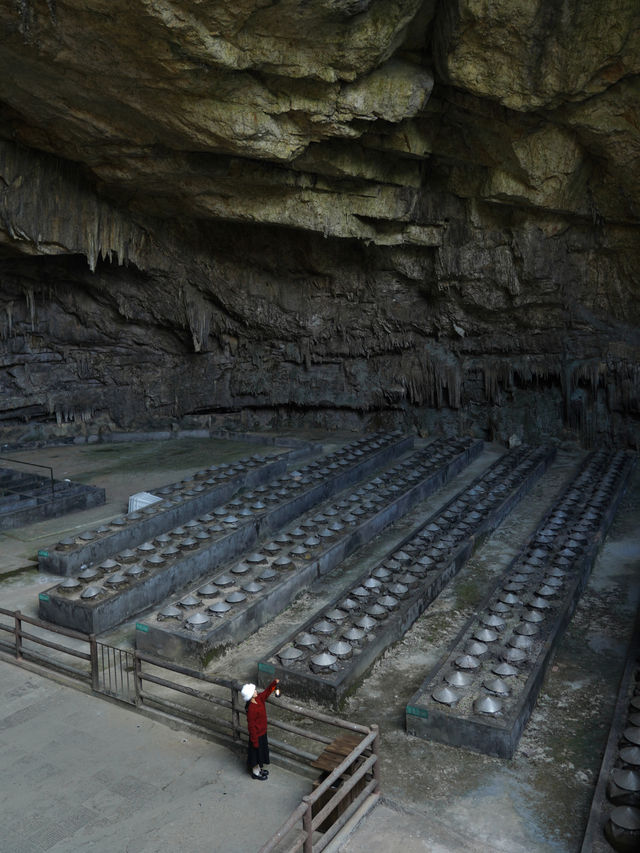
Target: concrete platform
point(106, 593)
point(354, 629)
point(483, 691)
point(28, 498)
point(79, 773)
point(232, 604)
point(179, 502)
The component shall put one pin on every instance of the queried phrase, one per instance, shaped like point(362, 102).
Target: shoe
point(264, 773)
point(259, 777)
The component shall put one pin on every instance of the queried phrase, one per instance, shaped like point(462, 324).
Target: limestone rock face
point(331, 212)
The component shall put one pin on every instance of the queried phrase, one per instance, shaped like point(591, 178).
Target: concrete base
point(458, 721)
point(177, 642)
point(219, 544)
point(181, 502)
point(524, 465)
point(28, 499)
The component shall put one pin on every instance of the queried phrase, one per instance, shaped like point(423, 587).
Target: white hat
point(247, 691)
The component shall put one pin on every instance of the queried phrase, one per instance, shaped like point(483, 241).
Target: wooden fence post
point(18, 631)
point(307, 825)
point(375, 749)
point(93, 652)
point(137, 677)
point(235, 714)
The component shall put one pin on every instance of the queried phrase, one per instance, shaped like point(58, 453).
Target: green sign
point(43, 596)
point(417, 712)
point(266, 667)
point(43, 553)
point(141, 627)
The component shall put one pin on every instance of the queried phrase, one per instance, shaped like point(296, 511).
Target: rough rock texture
point(348, 213)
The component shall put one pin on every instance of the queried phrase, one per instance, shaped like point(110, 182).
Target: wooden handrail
point(304, 811)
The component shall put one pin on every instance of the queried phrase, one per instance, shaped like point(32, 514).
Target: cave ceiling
point(352, 212)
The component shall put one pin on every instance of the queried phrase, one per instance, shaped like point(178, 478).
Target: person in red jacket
point(258, 754)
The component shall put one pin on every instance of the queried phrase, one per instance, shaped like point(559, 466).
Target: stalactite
point(47, 204)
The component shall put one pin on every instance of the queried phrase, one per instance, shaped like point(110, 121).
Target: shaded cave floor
point(436, 797)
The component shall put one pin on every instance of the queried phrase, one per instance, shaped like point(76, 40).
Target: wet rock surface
point(344, 214)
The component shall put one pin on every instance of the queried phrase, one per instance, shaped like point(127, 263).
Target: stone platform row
point(249, 592)
point(108, 591)
point(179, 502)
point(614, 817)
point(482, 692)
point(28, 498)
point(328, 655)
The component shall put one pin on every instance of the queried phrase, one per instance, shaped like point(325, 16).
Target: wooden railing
point(217, 710)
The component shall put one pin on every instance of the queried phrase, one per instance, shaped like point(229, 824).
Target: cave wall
point(417, 215)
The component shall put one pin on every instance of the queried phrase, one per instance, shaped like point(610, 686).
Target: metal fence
point(214, 706)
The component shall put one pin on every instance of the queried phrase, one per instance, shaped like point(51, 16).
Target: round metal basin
point(290, 654)
point(268, 574)
point(240, 569)
point(90, 592)
point(457, 678)
point(135, 571)
point(341, 649)
point(497, 686)
point(127, 556)
point(515, 656)
point(485, 635)
point(354, 635)
point(283, 562)
point(208, 590)
point(235, 597)
point(197, 621)
point(224, 580)
point(306, 641)
point(493, 621)
point(487, 705)
point(628, 780)
point(170, 612)
point(88, 574)
point(109, 566)
point(446, 696)
point(69, 585)
point(219, 608)
point(322, 661)
point(630, 755)
point(336, 615)
point(366, 623)
point(252, 587)
point(324, 627)
point(118, 579)
point(360, 592)
point(389, 602)
point(533, 616)
point(349, 605)
point(189, 601)
point(467, 662)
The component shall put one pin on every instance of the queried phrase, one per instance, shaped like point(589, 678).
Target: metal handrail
point(33, 465)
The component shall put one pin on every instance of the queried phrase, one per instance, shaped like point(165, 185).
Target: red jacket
point(257, 714)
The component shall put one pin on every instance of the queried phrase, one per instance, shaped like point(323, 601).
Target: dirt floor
point(448, 798)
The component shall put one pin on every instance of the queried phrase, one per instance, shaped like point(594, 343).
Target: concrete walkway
point(78, 773)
